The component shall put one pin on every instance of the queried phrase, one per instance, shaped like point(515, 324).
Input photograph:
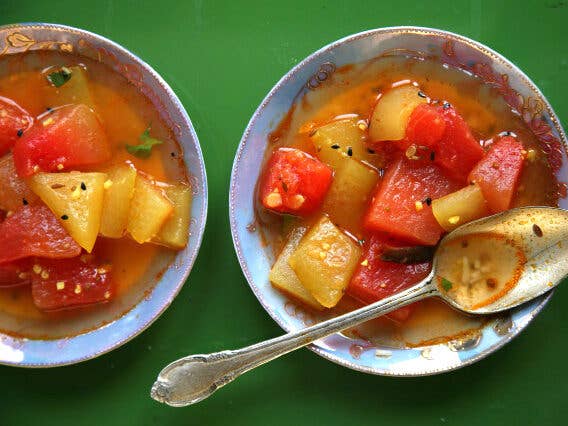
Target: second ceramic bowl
point(164, 278)
point(256, 258)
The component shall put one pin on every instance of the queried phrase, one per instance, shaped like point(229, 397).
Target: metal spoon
point(540, 232)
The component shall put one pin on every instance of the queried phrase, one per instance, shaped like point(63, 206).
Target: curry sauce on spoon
point(475, 270)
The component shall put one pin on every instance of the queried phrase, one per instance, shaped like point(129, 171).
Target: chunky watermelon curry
point(363, 179)
point(89, 176)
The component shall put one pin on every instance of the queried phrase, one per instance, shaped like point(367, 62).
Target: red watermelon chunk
point(34, 231)
point(70, 137)
point(70, 283)
point(426, 126)
point(394, 207)
point(15, 273)
point(457, 152)
point(294, 182)
point(497, 174)
point(14, 121)
point(376, 279)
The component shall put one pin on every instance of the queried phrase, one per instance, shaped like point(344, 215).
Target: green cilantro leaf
point(446, 284)
point(59, 78)
point(144, 149)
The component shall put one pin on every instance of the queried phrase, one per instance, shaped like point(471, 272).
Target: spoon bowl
point(537, 233)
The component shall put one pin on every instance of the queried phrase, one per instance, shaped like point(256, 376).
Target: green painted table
point(221, 58)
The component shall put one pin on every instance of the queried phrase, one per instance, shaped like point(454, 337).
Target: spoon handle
point(194, 378)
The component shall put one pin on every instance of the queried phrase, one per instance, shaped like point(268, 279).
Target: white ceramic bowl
point(166, 276)
point(256, 258)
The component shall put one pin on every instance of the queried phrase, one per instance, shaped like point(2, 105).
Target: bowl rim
point(188, 261)
point(543, 300)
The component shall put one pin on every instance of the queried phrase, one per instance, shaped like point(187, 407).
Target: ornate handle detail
point(194, 378)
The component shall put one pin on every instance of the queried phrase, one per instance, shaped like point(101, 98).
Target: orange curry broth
point(354, 90)
point(125, 114)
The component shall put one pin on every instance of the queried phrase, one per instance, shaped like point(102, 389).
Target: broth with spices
point(145, 162)
point(375, 132)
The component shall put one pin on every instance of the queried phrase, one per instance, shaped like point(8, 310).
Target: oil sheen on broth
point(352, 91)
